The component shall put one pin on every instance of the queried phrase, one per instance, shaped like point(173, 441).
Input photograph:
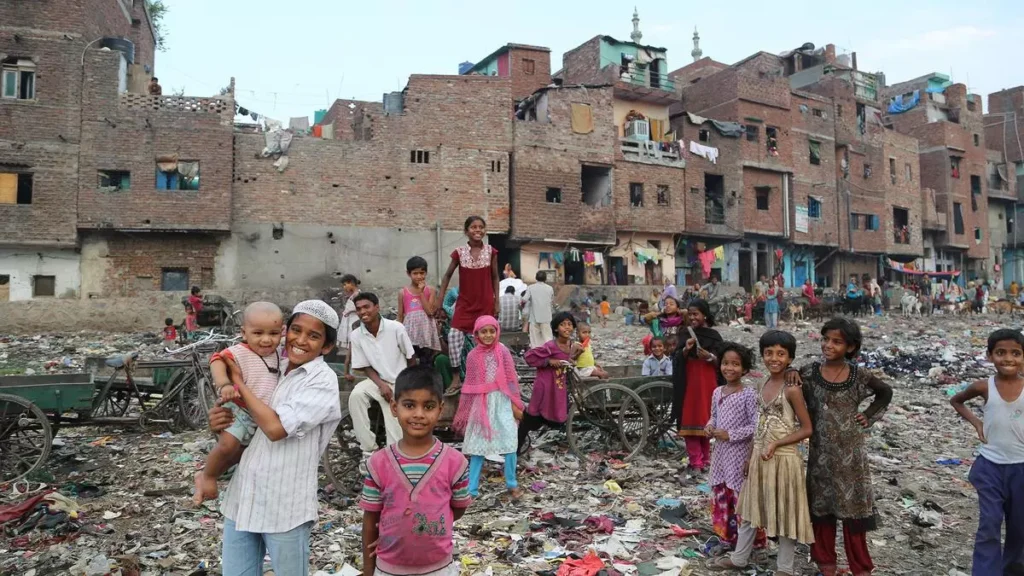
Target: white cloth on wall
point(709, 152)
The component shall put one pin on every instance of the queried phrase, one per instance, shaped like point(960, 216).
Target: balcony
point(641, 84)
point(649, 152)
point(936, 223)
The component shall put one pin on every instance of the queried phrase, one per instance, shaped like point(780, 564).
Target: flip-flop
point(28, 488)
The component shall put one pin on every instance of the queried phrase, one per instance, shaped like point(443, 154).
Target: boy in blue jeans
point(998, 473)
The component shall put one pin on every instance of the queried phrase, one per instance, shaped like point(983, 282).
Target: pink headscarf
point(489, 368)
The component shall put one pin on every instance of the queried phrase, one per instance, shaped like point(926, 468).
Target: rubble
point(129, 492)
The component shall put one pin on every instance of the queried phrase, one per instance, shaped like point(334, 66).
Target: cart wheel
point(231, 322)
point(195, 400)
point(25, 437)
point(114, 405)
point(657, 397)
point(611, 416)
point(341, 459)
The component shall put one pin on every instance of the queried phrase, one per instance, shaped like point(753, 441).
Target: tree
point(157, 11)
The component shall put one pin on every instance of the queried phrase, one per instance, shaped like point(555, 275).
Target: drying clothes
point(574, 254)
point(706, 258)
point(694, 119)
point(544, 257)
point(255, 117)
point(645, 255)
point(299, 123)
point(719, 254)
point(729, 129)
point(898, 106)
point(598, 259)
point(709, 152)
point(243, 111)
point(581, 118)
point(167, 163)
point(588, 258)
point(318, 131)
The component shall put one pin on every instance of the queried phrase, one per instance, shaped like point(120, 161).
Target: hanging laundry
point(898, 106)
point(318, 131)
point(588, 258)
point(598, 259)
point(581, 118)
point(694, 119)
point(328, 131)
point(299, 123)
point(242, 111)
point(574, 254)
point(255, 117)
point(719, 254)
point(545, 258)
point(706, 258)
point(729, 129)
point(709, 152)
point(559, 258)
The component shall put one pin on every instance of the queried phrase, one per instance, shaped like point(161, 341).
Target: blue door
point(799, 273)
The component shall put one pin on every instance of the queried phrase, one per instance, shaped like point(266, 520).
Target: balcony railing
point(901, 234)
point(650, 152)
point(648, 79)
point(714, 213)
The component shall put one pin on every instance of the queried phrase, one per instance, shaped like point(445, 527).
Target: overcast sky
point(291, 58)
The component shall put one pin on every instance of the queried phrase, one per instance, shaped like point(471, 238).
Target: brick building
point(528, 68)
point(1004, 132)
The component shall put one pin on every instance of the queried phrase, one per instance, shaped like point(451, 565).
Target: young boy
point(658, 363)
point(254, 364)
point(586, 367)
point(196, 299)
point(998, 473)
point(170, 332)
point(415, 489)
point(606, 311)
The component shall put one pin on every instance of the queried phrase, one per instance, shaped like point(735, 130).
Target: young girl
point(490, 406)
point(672, 319)
point(771, 306)
point(415, 489)
point(998, 473)
point(549, 404)
point(191, 321)
point(694, 379)
point(732, 424)
point(350, 286)
point(477, 264)
point(416, 306)
point(838, 473)
point(774, 496)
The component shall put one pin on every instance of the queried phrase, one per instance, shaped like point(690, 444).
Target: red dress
point(701, 381)
point(476, 287)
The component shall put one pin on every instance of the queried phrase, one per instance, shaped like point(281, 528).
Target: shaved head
point(261, 309)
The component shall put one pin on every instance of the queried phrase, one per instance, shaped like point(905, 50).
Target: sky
point(291, 58)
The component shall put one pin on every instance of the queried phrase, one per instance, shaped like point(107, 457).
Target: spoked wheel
point(195, 400)
point(25, 438)
point(609, 416)
point(114, 405)
point(343, 455)
point(657, 397)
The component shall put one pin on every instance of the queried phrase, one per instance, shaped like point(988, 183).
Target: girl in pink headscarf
point(490, 407)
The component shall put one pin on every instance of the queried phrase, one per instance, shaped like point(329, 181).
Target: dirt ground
point(132, 489)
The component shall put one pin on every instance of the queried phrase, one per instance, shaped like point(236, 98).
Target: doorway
point(799, 273)
point(617, 271)
point(745, 269)
point(574, 272)
point(763, 265)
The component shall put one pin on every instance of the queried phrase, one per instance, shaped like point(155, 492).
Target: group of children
point(193, 304)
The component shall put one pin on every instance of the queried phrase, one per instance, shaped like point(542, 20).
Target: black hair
point(582, 324)
point(562, 317)
point(591, 294)
point(188, 306)
point(330, 334)
point(350, 278)
point(704, 309)
point(416, 263)
point(850, 332)
point(542, 276)
point(366, 296)
point(1002, 335)
point(168, 321)
point(745, 354)
point(419, 377)
point(672, 298)
point(196, 290)
point(778, 338)
point(656, 339)
point(510, 289)
point(470, 220)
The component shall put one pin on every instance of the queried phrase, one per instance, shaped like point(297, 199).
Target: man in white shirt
point(382, 349)
point(539, 297)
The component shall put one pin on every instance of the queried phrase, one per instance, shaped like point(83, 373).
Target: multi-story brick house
point(1004, 132)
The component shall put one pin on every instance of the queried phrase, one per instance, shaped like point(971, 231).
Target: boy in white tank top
point(998, 472)
point(255, 364)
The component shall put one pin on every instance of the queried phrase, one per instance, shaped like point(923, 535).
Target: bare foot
point(515, 493)
point(206, 489)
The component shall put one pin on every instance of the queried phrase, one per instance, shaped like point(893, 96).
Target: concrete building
point(1004, 132)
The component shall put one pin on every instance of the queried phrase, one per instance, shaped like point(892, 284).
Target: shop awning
point(901, 268)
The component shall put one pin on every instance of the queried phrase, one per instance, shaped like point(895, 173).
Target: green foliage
point(157, 11)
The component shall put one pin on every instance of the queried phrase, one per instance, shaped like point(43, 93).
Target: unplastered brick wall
point(137, 262)
point(120, 133)
point(525, 82)
point(549, 155)
point(811, 120)
point(663, 208)
point(346, 116)
point(1004, 124)
point(581, 65)
point(729, 167)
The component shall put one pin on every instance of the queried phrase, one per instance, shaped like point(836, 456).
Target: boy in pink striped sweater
point(256, 364)
point(416, 488)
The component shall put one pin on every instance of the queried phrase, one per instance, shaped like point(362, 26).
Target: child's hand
point(517, 413)
point(556, 363)
point(576, 348)
point(709, 430)
point(862, 420)
point(768, 452)
point(228, 393)
point(350, 378)
point(792, 377)
point(721, 435)
point(981, 432)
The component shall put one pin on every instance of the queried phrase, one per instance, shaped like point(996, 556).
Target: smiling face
point(476, 231)
point(262, 332)
point(671, 306)
point(776, 359)
point(732, 366)
point(487, 335)
point(834, 347)
point(1008, 356)
point(417, 411)
point(565, 329)
point(367, 311)
point(697, 318)
point(307, 339)
point(658, 349)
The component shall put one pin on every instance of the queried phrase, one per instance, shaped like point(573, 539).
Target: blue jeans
point(243, 552)
point(476, 466)
point(1000, 497)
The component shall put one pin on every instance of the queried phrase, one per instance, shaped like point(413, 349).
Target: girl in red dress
point(477, 264)
point(694, 379)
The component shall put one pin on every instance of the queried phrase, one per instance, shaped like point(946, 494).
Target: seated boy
point(586, 367)
point(255, 364)
point(658, 363)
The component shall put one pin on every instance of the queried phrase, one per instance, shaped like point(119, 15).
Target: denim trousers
point(242, 553)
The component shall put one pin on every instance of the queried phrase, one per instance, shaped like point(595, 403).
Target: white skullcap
point(318, 309)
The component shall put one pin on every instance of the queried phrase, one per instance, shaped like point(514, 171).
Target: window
point(958, 219)
point(636, 194)
point(15, 188)
point(954, 166)
point(763, 193)
point(855, 221)
point(815, 151)
point(714, 199)
point(495, 165)
point(704, 135)
point(975, 192)
point(115, 179)
point(901, 225)
point(529, 66)
point(174, 279)
point(753, 132)
point(18, 79)
point(977, 141)
point(839, 110)
point(177, 175)
point(44, 286)
point(771, 142)
point(908, 173)
point(419, 156)
point(554, 195)
point(813, 208)
point(662, 195)
point(818, 112)
point(892, 170)
point(871, 222)
point(867, 170)
point(596, 182)
point(977, 234)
